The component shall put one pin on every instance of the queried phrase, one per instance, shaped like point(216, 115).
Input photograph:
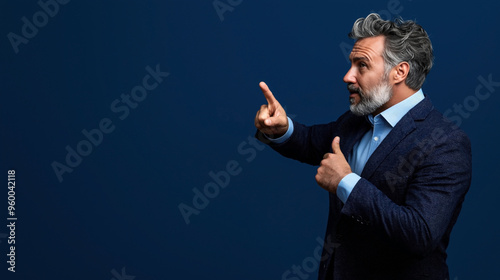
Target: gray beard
point(370, 102)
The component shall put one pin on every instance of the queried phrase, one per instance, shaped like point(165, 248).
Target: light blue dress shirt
point(382, 124)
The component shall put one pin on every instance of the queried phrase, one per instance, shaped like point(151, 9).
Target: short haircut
point(404, 41)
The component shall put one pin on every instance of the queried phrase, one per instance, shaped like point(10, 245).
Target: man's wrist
point(346, 185)
point(285, 136)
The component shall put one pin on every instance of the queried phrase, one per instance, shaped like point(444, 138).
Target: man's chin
point(360, 110)
point(355, 110)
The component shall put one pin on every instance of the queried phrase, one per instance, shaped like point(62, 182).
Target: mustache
point(353, 89)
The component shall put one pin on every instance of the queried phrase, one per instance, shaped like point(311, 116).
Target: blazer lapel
point(404, 127)
point(398, 133)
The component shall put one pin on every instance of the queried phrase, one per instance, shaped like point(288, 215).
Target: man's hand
point(333, 168)
point(271, 118)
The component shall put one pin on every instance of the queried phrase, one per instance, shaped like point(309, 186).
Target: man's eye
point(362, 64)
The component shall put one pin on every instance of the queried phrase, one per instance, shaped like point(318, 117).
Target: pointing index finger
point(267, 93)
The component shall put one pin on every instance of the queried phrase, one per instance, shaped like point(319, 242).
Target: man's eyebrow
point(358, 58)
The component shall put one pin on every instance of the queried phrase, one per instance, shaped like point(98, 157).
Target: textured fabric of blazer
point(397, 221)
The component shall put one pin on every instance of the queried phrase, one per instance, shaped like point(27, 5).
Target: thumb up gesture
point(333, 168)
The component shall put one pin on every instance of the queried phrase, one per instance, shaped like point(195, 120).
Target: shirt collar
point(395, 113)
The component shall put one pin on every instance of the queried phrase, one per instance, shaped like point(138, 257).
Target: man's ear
point(400, 72)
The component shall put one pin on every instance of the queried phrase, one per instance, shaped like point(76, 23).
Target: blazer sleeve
point(435, 192)
point(307, 144)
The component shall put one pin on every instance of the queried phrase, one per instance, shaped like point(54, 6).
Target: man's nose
point(349, 77)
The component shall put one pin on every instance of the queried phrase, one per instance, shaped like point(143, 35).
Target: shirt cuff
point(285, 136)
point(346, 185)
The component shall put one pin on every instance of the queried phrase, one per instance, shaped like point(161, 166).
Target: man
point(396, 170)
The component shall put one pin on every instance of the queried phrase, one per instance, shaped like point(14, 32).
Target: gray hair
point(404, 41)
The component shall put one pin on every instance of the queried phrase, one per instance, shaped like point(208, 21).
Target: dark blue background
point(119, 207)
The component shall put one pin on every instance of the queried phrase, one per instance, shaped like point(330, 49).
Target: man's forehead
point(368, 48)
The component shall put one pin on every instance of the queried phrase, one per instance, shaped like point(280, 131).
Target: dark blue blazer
point(397, 221)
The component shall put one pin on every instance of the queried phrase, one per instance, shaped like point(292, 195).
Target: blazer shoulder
point(430, 121)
